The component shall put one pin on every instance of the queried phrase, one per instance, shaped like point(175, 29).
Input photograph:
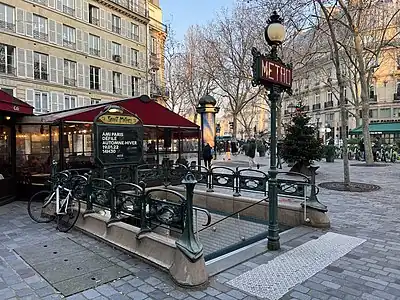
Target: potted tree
point(301, 145)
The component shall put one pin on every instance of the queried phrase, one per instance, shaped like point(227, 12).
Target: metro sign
point(267, 72)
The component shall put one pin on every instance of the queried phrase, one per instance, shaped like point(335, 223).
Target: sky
point(181, 14)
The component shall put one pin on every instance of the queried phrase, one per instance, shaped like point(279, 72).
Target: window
point(7, 59)
point(94, 101)
point(7, 17)
point(373, 113)
point(94, 15)
point(116, 24)
point(135, 58)
point(41, 101)
point(94, 78)
point(135, 32)
point(398, 87)
point(69, 37)
point(398, 61)
point(69, 7)
point(317, 99)
point(40, 66)
point(69, 101)
point(153, 46)
point(117, 83)
point(385, 113)
point(135, 86)
point(40, 28)
point(69, 72)
point(9, 91)
point(116, 52)
point(94, 45)
point(329, 96)
point(372, 92)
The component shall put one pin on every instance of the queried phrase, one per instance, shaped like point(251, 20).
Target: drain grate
point(69, 267)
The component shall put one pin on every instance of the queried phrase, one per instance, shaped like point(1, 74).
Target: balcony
point(116, 29)
point(40, 75)
point(155, 60)
point(7, 26)
point(7, 69)
point(316, 106)
point(117, 90)
point(94, 21)
point(69, 44)
point(44, 2)
point(70, 81)
point(135, 64)
point(328, 104)
point(116, 58)
point(95, 52)
point(120, 5)
point(135, 37)
point(40, 35)
point(68, 10)
point(373, 98)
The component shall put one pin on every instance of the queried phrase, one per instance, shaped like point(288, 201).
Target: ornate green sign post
point(276, 77)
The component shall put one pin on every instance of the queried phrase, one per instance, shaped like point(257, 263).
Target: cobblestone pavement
point(369, 271)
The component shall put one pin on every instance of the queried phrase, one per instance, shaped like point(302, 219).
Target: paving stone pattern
point(369, 271)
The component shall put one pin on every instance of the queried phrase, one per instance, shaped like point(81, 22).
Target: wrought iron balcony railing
point(40, 35)
point(40, 75)
point(70, 81)
point(135, 64)
point(7, 26)
point(117, 90)
point(7, 69)
point(116, 29)
point(373, 98)
point(328, 104)
point(94, 85)
point(69, 44)
point(316, 106)
point(68, 10)
point(135, 37)
point(94, 51)
point(94, 21)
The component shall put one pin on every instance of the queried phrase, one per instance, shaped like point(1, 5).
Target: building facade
point(62, 54)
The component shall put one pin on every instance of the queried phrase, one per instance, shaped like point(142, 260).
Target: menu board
point(118, 139)
point(119, 145)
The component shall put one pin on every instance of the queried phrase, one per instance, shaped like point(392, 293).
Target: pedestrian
point(228, 150)
point(251, 153)
point(207, 155)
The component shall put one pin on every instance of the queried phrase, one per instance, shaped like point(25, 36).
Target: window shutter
point(59, 34)
point(124, 84)
point(109, 48)
point(85, 10)
point(102, 47)
point(53, 69)
point(123, 27)
point(103, 80)
point(123, 54)
point(60, 69)
point(54, 101)
point(80, 75)
point(30, 97)
point(21, 62)
point(52, 3)
point(142, 34)
point(109, 20)
point(29, 63)
point(59, 5)
point(29, 23)
point(52, 31)
point(142, 87)
point(86, 42)
point(86, 101)
point(110, 81)
point(129, 56)
point(129, 86)
point(60, 101)
point(78, 8)
point(80, 101)
point(86, 76)
point(129, 30)
point(20, 21)
point(102, 18)
point(79, 40)
point(142, 61)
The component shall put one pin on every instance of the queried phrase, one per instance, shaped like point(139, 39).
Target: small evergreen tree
point(301, 145)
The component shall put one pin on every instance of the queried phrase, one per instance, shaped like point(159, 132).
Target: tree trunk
point(235, 121)
point(343, 121)
point(369, 158)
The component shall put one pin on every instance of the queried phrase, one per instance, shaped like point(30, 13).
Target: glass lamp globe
point(276, 33)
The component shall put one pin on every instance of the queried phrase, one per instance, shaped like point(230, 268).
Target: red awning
point(151, 113)
point(9, 103)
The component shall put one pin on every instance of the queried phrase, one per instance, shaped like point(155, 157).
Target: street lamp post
point(276, 77)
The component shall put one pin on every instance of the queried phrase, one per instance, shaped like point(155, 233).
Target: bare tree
point(174, 74)
point(226, 51)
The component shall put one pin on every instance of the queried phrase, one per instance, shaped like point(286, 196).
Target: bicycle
point(61, 202)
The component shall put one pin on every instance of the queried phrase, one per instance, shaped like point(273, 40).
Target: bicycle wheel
point(67, 220)
point(40, 209)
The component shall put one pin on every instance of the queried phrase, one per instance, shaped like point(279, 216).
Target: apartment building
point(62, 54)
